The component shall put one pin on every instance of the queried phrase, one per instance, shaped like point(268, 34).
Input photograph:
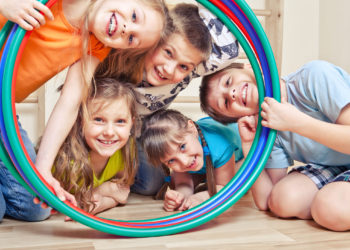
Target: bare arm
point(60, 123)
point(109, 195)
point(26, 13)
point(283, 116)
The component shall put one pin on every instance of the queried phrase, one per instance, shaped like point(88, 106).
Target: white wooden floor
point(240, 227)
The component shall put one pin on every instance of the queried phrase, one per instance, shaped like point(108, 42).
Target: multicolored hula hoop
point(242, 22)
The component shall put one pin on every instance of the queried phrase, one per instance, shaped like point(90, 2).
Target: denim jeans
point(149, 179)
point(15, 201)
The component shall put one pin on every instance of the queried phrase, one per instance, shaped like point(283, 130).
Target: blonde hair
point(128, 64)
point(164, 127)
point(205, 89)
point(72, 166)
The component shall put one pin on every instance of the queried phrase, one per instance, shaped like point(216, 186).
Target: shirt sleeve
point(278, 158)
point(98, 49)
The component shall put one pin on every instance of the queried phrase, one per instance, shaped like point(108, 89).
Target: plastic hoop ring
point(241, 21)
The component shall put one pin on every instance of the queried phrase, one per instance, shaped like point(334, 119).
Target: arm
point(60, 122)
point(26, 13)
point(283, 116)
point(262, 187)
point(109, 195)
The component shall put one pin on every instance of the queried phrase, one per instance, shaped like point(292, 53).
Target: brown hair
point(168, 126)
point(72, 166)
point(205, 89)
point(188, 24)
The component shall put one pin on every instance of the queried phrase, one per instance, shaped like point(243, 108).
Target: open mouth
point(193, 163)
point(244, 94)
point(107, 142)
point(113, 25)
point(160, 75)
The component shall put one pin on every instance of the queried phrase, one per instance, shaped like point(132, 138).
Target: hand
point(247, 128)
point(190, 202)
point(62, 194)
point(280, 116)
point(26, 13)
point(173, 199)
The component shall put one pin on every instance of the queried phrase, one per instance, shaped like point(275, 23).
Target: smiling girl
point(78, 34)
point(97, 162)
point(192, 150)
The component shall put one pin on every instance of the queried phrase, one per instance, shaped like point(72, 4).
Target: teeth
point(161, 75)
point(108, 142)
point(112, 25)
point(244, 94)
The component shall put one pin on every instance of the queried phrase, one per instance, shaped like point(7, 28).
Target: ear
point(192, 127)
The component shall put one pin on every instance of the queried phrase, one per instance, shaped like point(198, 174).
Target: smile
point(193, 163)
point(160, 75)
point(107, 142)
point(113, 25)
point(244, 94)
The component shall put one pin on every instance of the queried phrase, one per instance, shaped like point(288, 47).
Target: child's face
point(171, 62)
point(234, 93)
point(125, 24)
point(109, 127)
point(185, 156)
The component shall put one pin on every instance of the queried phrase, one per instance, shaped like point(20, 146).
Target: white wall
point(313, 29)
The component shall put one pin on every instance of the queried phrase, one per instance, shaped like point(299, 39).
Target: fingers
point(173, 200)
point(44, 9)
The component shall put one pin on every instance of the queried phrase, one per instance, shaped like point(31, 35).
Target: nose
point(170, 68)
point(108, 130)
point(183, 161)
point(232, 93)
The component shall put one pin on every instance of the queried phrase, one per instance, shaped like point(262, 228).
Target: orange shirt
point(51, 48)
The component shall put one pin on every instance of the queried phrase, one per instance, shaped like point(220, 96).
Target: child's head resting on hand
point(230, 93)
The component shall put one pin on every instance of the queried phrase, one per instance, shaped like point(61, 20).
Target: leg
point(331, 205)
point(149, 179)
point(2, 206)
point(19, 202)
point(292, 196)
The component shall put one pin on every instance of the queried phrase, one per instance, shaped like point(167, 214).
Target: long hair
point(128, 64)
point(72, 166)
point(163, 128)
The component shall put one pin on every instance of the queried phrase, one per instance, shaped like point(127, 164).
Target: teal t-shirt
point(223, 141)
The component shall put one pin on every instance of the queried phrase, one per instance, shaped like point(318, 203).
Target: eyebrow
point(175, 55)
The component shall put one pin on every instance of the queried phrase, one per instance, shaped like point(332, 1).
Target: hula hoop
point(242, 22)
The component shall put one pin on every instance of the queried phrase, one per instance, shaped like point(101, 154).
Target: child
point(313, 121)
point(97, 161)
point(81, 34)
point(199, 44)
point(190, 150)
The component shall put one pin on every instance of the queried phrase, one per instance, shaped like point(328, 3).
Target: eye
point(121, 121)
point(131, 39)
point(182, 147)
point(168, 52)
point(228, 81)
point(98, 119)
point(184, 67)
point(133, 16)
point(171, 161)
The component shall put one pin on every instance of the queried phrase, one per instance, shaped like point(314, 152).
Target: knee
point(331, 212)
point(282, 201)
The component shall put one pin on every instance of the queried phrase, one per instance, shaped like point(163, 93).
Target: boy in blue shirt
point(313, 123)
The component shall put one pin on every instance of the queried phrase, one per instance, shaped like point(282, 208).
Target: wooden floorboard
point(240, 227)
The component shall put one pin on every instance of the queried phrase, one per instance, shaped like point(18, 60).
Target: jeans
point(149, 179)
point(15, 201)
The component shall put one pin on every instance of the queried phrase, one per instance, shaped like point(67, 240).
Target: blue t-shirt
point(320, 90)
point(223, 141)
